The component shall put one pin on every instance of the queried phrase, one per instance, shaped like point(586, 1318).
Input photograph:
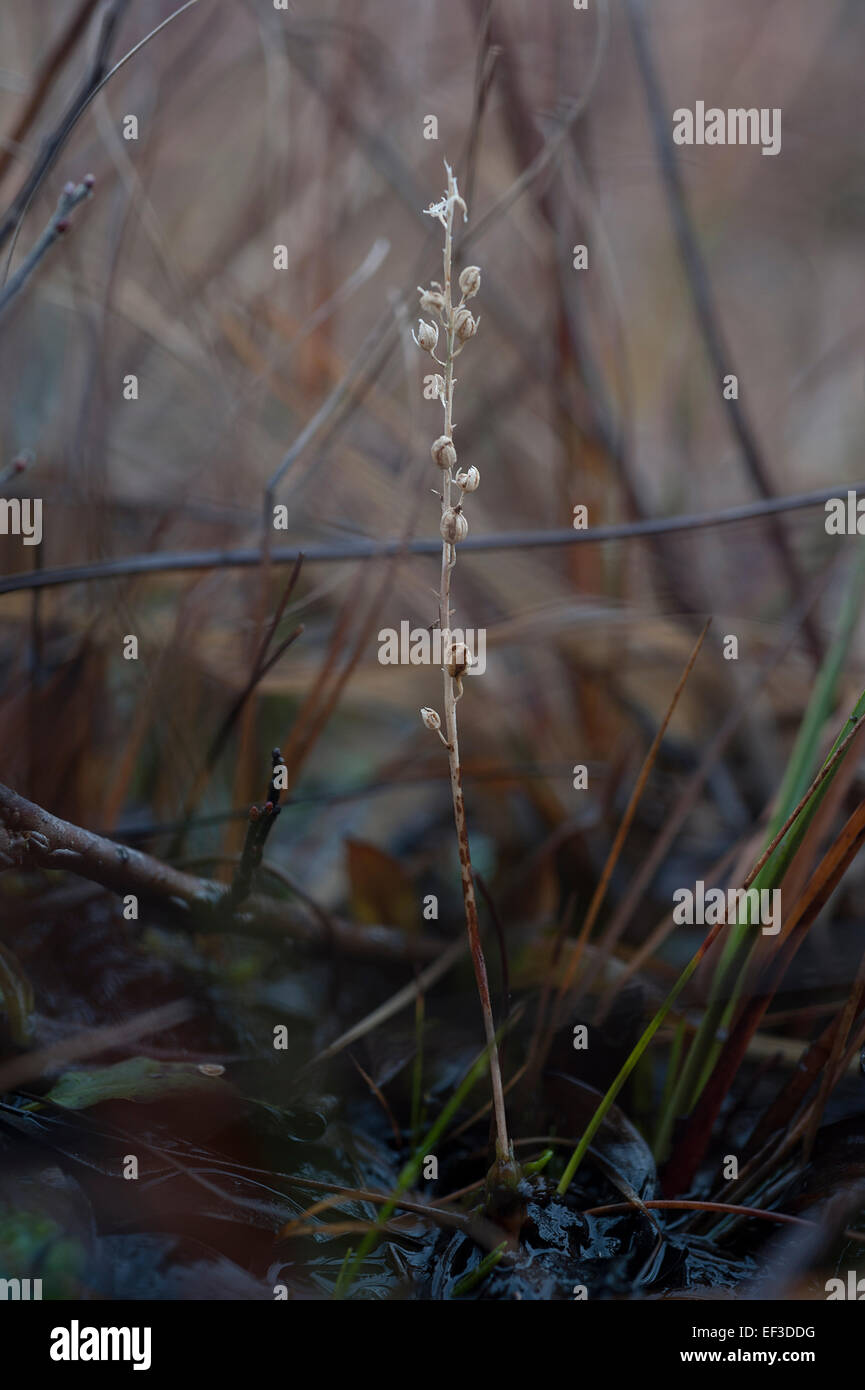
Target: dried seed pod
point(430, 718)
point(432, 301)
point(427, 335)
point(465, 324)
point(443, 451)
point(458, 659)
point(470, 281)
point(454, 526)
point(470, 480)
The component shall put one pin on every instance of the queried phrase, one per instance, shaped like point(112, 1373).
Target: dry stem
point(452, 684)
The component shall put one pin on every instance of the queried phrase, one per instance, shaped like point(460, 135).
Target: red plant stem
point(681, 1205)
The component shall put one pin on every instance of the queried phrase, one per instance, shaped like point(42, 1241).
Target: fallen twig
point(31, 838)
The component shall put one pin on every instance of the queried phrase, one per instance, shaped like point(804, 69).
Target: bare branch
point(69, 199)
point(31, 838)
point(351, 552)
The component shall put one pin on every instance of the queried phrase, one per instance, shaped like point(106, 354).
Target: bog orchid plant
point(459, 325)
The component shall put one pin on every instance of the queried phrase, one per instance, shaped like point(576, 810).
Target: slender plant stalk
point(459, 326)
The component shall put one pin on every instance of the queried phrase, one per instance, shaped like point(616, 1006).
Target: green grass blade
point(696, 1069)
point(473, 1278)
point(733, 964)
point(412, 1168)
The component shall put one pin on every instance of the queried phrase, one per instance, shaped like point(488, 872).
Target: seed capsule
point(427, 335)
point(443, 451)
point(454, 526)
point(470, 281)
point(432, 301)
point(458, 659)
point(465, 325)
point(470, 480)
point(430, 718)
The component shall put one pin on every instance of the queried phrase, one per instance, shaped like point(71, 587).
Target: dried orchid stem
point(459, 325)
